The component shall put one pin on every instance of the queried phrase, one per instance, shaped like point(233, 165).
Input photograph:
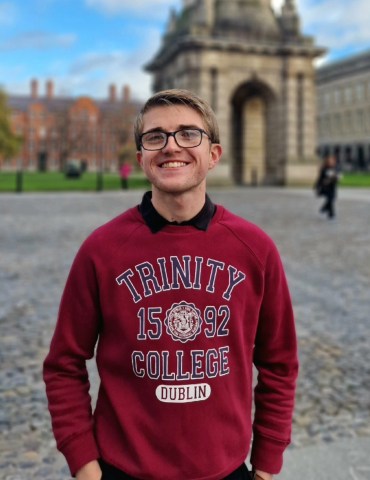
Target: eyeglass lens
point(186, 138)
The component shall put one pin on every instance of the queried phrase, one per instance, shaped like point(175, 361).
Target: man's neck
point(178, 207)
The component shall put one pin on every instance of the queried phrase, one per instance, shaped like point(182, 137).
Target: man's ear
point(139, 157)
point(215, 155)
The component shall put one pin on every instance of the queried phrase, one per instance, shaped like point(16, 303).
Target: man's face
point(175, 169)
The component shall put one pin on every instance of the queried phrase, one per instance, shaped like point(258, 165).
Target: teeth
point(173, 165)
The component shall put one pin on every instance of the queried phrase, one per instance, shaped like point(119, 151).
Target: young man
point(181, 298)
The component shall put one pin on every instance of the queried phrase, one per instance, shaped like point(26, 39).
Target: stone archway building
point(256, 69)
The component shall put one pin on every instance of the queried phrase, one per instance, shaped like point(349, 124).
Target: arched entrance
point(252, 115)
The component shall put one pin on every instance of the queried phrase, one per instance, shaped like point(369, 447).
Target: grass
point(355, 180)
point(58, 182)
point(89, 181)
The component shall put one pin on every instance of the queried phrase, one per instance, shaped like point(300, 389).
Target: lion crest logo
point(183, 321)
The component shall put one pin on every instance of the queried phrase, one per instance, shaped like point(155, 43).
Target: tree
point(10, 143)
point(74, 138)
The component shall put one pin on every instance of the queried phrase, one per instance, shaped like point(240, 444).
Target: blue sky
point(85, 45)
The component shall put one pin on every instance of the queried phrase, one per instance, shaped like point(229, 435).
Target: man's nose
point(171, 143)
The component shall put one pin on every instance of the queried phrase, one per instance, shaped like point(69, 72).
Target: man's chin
point(178, 187)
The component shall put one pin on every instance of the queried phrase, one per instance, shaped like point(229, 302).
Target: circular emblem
point(183, 321)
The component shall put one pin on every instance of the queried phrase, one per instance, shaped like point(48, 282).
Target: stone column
point(299, 102)
point(309, 115)
point(290, 114)
point(223, 172)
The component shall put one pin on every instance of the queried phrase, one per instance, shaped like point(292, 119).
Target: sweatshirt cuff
point(79, 451)
point(267, 454)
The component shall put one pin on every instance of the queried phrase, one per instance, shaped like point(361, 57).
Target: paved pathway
point(328, 268)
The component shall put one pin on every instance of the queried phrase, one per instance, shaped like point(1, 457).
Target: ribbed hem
point(267, 454)
point(79, 451)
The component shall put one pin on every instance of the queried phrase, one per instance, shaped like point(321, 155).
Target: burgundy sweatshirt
point(177, 319)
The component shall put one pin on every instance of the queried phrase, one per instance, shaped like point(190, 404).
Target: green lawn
point(355, 180)
point(89, 181)
point(57, 182)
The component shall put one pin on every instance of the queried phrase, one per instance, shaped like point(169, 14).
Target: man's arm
point(263, 475)
point(275, 357)
point(90, 471)
point(65, 372)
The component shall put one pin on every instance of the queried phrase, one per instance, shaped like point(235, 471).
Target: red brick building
point(58, 130)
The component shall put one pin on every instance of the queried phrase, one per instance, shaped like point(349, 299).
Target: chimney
point(34, 88)
point(112, 93)
point(49, 89)
point(126, 92)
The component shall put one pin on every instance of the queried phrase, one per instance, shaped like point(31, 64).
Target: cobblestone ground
point(328, 268)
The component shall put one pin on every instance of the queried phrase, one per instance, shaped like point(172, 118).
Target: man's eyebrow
point(190, 126)
point(155, 129)
point(180, 127)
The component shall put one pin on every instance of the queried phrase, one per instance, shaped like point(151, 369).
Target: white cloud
point(337, 24)
point(137, 7)
point(38, 41)
point(276, 4)
point(93, 62)
point(97, 84)
point(95, 71)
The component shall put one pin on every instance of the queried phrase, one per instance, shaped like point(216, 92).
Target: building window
point(340, 124)
point(337, 96)
point(360, 92)
point(361, 120)
point(336, 124)
point(319, 127)
point(348, 94)
point(348, 121)
point(327, 100)
point(329, 125)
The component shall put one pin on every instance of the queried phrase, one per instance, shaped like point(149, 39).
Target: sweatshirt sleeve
point(65, 372)
point(275, 357)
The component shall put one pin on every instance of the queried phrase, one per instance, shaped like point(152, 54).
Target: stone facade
point(256, 70)
point(344, 111)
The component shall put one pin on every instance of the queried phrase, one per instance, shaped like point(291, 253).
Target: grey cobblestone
point(328, 268)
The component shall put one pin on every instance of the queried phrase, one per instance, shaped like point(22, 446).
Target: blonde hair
point(179, 97)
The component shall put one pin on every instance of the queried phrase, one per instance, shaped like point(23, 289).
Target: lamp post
point(99, 177)
point(19, 177)
point(99, 171)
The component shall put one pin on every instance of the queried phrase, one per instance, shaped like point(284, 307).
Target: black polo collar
point(156, 222)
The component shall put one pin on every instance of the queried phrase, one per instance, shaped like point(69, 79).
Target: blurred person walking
point(326, 185)
point(125, 172)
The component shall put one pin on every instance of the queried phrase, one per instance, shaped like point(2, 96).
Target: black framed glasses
point(185, 138)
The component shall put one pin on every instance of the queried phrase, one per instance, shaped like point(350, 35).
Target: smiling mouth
point(173, 164)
